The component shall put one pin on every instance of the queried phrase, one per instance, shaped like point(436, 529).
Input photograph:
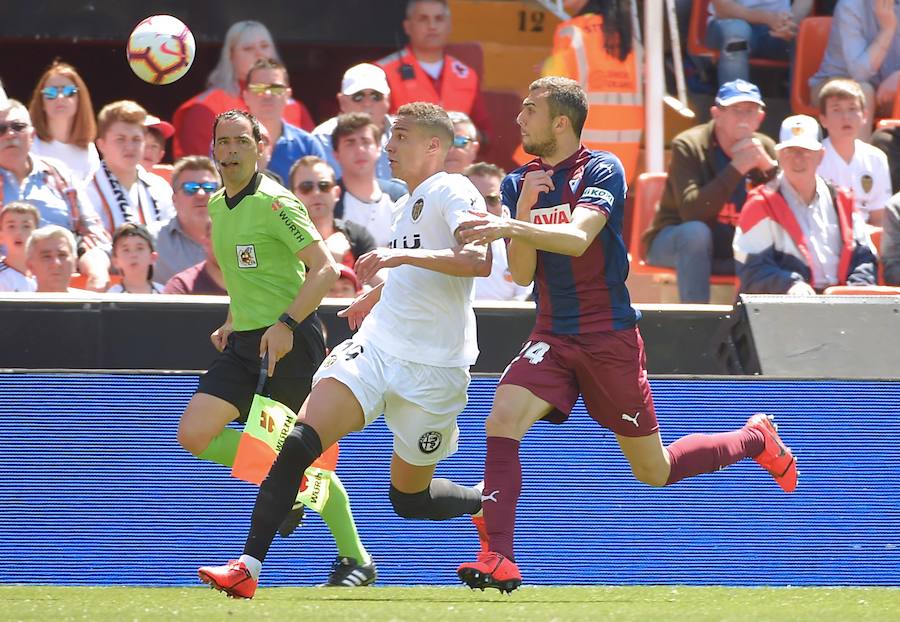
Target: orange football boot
point(491, 570)
point(233, 578)
point(776, 458)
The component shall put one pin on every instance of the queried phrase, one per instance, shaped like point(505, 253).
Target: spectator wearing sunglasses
point(313, 182)
point(180, 241)
point(245, 43)
point(122, 190)
point(48, 185)
point(465, 145)
point(365, 199)
point(267, 93)
point(499, 285)
point(63, 118)
point(363, 89)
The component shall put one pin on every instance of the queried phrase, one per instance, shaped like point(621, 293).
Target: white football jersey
point(424, 316)
point(11, 280)
point(867, 175)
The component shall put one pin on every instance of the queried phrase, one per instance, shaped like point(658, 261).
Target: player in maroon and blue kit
point(567, 237)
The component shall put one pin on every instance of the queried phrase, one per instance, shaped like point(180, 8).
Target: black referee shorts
point(235, 371)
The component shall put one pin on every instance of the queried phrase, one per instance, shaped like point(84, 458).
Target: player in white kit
point(409, 360)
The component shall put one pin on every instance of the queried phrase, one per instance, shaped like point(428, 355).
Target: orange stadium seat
point(812, 39)
point(862, 290)
point(164, 171)
point(648, 192)
point(697, 38)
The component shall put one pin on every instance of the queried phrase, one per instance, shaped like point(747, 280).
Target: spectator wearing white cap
point(364, 88)
point(799, 235)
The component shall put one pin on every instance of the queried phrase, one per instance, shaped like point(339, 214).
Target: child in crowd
point(17, 220)
point(122, 190)
point(347, 285)
point(133, 255)
point(156, 133)
point(850, 162)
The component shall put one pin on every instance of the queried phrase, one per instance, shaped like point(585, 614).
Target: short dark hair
point(156, 135)
point(411, 3)
point(234, 115)
point(192, 163)
point(350, 122)
point(484, 168)
point(309, 162)
point(134, 230)
point(268, 63)
point(565, 98)
point(430, 117)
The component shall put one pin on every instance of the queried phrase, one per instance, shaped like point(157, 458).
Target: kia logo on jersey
point(558, 214)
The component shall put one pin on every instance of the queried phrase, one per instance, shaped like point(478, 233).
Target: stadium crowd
point(88, 204)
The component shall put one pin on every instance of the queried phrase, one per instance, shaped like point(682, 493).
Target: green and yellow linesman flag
point(268, 424)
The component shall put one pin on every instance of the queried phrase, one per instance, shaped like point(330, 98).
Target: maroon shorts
point(608, 369)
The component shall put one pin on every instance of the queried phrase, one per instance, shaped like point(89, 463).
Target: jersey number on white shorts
point(533, 352)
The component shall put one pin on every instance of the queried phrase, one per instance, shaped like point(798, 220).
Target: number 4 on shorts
point(533, 352)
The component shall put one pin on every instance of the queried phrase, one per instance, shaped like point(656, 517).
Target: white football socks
point(252, 564)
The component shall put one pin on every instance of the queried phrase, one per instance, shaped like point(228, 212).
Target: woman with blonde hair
point(245, 43)
point(63, 118)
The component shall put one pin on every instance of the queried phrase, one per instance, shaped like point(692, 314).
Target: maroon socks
point(704, 453)
point(502, 485)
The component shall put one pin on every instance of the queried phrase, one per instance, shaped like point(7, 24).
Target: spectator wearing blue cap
point(745, 29)
point(713, 166)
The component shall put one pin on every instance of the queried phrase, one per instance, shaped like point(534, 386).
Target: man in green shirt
point(276, 270)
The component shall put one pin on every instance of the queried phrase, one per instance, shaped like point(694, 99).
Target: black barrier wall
point(172, 332)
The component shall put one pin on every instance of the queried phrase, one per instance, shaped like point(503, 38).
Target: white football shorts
point(420, 402)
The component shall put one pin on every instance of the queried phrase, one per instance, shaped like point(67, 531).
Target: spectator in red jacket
point(423, 71)
point(245, 43)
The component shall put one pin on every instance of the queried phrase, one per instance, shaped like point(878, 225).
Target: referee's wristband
point(288, 321)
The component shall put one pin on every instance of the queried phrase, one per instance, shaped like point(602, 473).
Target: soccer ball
point(160, 49)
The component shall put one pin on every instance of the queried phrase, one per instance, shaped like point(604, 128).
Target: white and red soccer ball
point(160, 49)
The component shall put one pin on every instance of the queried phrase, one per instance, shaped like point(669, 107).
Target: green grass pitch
point(439, 604)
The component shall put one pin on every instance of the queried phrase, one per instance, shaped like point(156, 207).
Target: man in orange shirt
point(423, 71)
